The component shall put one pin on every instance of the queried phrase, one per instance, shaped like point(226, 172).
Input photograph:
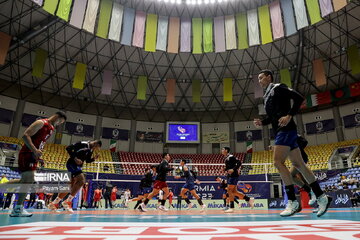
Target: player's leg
point(154, 192)
point(322, 199)
point(79, 181)
point(281, 152)
point(301, 182)
point(27, 179)
point(165, 196)
point(197, 197)
point(184, 196)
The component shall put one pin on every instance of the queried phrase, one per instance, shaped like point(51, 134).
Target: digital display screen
point(183, 132)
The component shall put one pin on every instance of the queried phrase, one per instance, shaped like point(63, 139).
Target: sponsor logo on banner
point(320, 176)
point(79, 128)
point(341, 199)
point(215, 137)
point(107, 230)
point(245, 188)
point(261, 204)
point(115, 133)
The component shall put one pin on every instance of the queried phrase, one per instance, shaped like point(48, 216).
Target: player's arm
point(31, 131)
point(297, 101)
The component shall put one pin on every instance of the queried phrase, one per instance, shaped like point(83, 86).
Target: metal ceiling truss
point(66, 45)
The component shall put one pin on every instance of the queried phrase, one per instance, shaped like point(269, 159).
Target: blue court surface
point(342, 224)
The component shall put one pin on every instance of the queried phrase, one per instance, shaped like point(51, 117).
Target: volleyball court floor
point(341, 224)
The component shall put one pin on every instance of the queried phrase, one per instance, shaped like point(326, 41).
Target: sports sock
point(290, 192)
point(316, 189)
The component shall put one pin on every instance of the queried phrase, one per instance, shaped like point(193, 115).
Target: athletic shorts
point(27, 162)
point(160, 184)
point(287, 138)
point(232, 180)
point(190, 186)
point(74, 169)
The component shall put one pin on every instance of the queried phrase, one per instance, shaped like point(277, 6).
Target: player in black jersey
point(225, 195)
point(79, 152)
point(190, 180)
point(145, 185)
point(232, 165)
point(160, 183)
point(281, 105)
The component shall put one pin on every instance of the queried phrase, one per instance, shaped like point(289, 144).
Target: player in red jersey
point(35, 137)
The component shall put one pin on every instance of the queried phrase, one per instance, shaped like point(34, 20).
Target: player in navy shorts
point(79, 152)
point(189, 186)
point(145, 186)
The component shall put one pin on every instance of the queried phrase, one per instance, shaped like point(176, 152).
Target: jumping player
point(160, 183)
point(190, 179)
point(281, 105)
point(232, 165)
point(35, 137)
point(79, 152)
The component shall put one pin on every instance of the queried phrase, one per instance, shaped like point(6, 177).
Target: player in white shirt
point(127, 195)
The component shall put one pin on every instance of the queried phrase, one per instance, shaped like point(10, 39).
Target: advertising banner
point(215, 137)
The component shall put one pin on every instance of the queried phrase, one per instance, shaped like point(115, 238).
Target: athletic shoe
point(203, 207)
point(226, 208)
point(67, 207)
point(315, 210)
point(324, 202)
point(143, 207)
point(190, 205)
point(52, 207)
point(292, 207)
point(163, 208)
point(19, 211)
point(312, 199)
point(251, 202)
point(230, 210)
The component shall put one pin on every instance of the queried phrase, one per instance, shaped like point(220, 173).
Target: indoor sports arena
point(180, 119)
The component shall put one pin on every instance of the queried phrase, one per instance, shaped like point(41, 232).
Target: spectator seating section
point(203, 170)
point(318, 156)
point(10, 174)
point(335, 181)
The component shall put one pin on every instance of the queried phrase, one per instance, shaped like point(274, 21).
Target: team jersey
point(40, 137)
point(80, 150)
point(189, 176)
point(231, 162)
point(127, 194)
point(147, 180)
point(277, 102)
point(162, 170)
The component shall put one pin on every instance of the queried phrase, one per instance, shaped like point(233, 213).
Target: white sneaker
point(324, 203)
point(19, 211)
point(190, 205)
point(312, 200)
point(315, 210)
point(292, 207)
point(203, 207)
point(143, 207)
point(163, 208)
point(251, 202)
point(67, 207)
point(230, 210)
